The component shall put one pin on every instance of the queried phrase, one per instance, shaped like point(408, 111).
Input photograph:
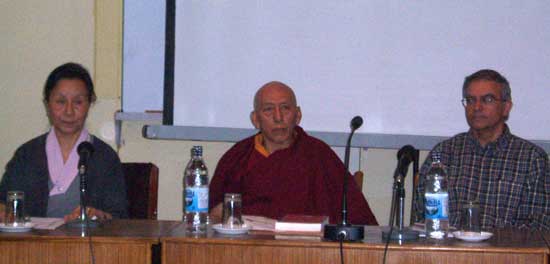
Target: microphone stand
point(416, 213)
point(83, 221)
point(345, 231)
point(397, 231)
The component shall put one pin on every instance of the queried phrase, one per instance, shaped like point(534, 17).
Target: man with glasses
point(508, 176)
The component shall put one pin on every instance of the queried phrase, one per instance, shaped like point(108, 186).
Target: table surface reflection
point(130, 241)
point(505, 246)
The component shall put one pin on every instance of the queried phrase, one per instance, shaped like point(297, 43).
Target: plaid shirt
point(509, 177)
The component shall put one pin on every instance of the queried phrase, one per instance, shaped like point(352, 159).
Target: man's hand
point(216, 213)
point(92, 213)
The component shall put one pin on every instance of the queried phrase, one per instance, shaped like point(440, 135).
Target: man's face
point(276, 115)
point(484, 115)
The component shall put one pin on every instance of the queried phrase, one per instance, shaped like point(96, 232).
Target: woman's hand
point(92, 213)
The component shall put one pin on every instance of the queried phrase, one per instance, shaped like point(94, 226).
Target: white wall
point(36, 37)
point(39, 35)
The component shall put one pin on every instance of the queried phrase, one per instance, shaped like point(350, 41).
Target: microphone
point(345, 231)
point(405, 156)
point(356, 123)
point(85, 151)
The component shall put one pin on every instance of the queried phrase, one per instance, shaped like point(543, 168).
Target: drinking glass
point(232, 211)
point(470, 217)
point(15, 212)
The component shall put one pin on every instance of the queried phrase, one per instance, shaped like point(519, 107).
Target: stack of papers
point(311, 224)
point(46, 223)
point(259, 223)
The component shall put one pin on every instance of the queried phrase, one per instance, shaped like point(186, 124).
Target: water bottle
point(195, 193)
point(436, 200)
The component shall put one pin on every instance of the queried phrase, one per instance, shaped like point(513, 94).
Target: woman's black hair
point(69, 70)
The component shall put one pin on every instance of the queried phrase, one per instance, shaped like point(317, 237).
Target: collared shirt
point(508, 177)
point(62, 173)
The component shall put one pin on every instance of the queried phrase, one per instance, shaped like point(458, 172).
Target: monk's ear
point(298, 115)
point(254, 120)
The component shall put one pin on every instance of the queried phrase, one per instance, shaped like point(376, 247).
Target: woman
point(45, 168)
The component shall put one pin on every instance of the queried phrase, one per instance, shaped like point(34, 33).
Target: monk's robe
point(306, 178)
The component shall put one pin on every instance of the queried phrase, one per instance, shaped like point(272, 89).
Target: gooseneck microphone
point(356, 123)
point(345, 231)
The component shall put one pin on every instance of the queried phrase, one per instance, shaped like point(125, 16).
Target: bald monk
point(282, 170)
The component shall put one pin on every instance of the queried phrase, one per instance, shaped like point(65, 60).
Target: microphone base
point(406, 234)
point(82, 224)
point(347, 233)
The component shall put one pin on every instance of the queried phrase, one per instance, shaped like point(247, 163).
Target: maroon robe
point(305, 178)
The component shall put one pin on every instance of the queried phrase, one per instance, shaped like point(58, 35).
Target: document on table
point(46, 223)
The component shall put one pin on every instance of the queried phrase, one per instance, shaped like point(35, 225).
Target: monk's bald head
point(276, 115)
point(273, 87)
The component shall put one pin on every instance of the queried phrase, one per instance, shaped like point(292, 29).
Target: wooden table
point(121, 241)
point(506, 246)
point(131, 241)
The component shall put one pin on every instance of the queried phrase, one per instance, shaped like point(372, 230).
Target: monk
point(282, 170)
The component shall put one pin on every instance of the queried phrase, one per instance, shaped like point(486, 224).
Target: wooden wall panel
point(31, 252)
point(180, 252)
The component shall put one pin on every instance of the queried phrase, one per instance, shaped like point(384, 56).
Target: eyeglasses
point(485, 100)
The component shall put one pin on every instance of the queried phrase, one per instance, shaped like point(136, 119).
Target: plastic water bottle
point(436, 200)
point(195, 193)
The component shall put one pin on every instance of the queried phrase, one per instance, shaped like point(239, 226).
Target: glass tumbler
point(232, 211)
point(470, 217)
point(15, 211)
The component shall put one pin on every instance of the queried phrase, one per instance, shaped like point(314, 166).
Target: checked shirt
point(509, 178)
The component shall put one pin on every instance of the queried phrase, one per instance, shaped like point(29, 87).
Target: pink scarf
point(62, 174)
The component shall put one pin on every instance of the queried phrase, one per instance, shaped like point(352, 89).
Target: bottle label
point(436, 206)
point(196, 199)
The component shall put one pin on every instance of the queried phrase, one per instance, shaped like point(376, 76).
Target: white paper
point(46, 223)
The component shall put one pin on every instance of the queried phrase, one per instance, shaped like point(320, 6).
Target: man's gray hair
point(489, 75)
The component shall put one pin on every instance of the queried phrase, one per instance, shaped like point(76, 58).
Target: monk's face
point(276, 115)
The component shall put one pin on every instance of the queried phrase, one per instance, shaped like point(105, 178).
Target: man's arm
point(539, 194)
point(216, 213)
point(333, 170)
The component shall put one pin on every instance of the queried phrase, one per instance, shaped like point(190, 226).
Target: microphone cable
point(89, 234)
point(85, 149)
point(387, 244)
point(341, 240)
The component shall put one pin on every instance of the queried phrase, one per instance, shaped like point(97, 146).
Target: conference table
point(118, 241)
point(139, 241)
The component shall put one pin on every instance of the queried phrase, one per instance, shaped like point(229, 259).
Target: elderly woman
point(45, 168)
